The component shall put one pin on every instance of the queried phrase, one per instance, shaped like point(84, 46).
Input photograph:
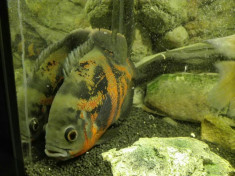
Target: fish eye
point(71, 134)
point(34, 125)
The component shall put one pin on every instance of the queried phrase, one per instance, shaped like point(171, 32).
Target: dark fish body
point(97, 90)
point(44, 82)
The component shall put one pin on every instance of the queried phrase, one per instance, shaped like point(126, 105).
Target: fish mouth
point(56, 152)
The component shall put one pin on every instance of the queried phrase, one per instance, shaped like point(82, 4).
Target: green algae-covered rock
point(214, 129)
point(183, 96)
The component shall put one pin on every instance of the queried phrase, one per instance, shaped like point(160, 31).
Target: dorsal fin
point(103, 39)
point(45, 53)
point(75, 38)
point(74, 56)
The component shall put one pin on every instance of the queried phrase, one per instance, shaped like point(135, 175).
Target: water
point(163, 37)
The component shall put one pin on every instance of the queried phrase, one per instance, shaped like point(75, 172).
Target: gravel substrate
point(123, 133)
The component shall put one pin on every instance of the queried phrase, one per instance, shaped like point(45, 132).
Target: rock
point(99, 13)
point(170, 121)
point(45, 22)
point(167, 156)
point(214, 129)
point(176, 38)
point(65, 16)
point(162, 15)
point(33, 45)
point(182, 96)
point(142, 45)
point(79, 2)
point(138, 98)
point(218, 21)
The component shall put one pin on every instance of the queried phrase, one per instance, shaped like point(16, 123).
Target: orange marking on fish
point(88, 143)
point(124, 70)
point(90, 104)
point(82, 104)
point(123, 91)
point(94, 116)
point(81, 115)
point(112, 89)
point(114, 85)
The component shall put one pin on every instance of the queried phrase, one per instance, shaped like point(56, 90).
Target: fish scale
point(97, 90)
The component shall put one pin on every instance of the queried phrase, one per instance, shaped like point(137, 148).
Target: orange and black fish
point(43, 84)
point(97, 90)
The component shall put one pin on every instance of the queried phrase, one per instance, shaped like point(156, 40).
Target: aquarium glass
point(94, 75)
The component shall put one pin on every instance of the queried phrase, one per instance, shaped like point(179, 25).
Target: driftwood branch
point(198, 57)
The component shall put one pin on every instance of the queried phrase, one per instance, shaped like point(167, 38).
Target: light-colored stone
point(176, 38)
point(138, 97)
point(142, 46)
point(214, 129)
point(170, 121)
point(167, 156)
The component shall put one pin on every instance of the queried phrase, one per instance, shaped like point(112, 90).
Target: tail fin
point(222, 94)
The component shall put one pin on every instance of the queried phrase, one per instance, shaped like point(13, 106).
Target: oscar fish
point(97, 90)
point(43, 83)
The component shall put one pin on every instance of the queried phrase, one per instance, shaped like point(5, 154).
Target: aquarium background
point(164, 38)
